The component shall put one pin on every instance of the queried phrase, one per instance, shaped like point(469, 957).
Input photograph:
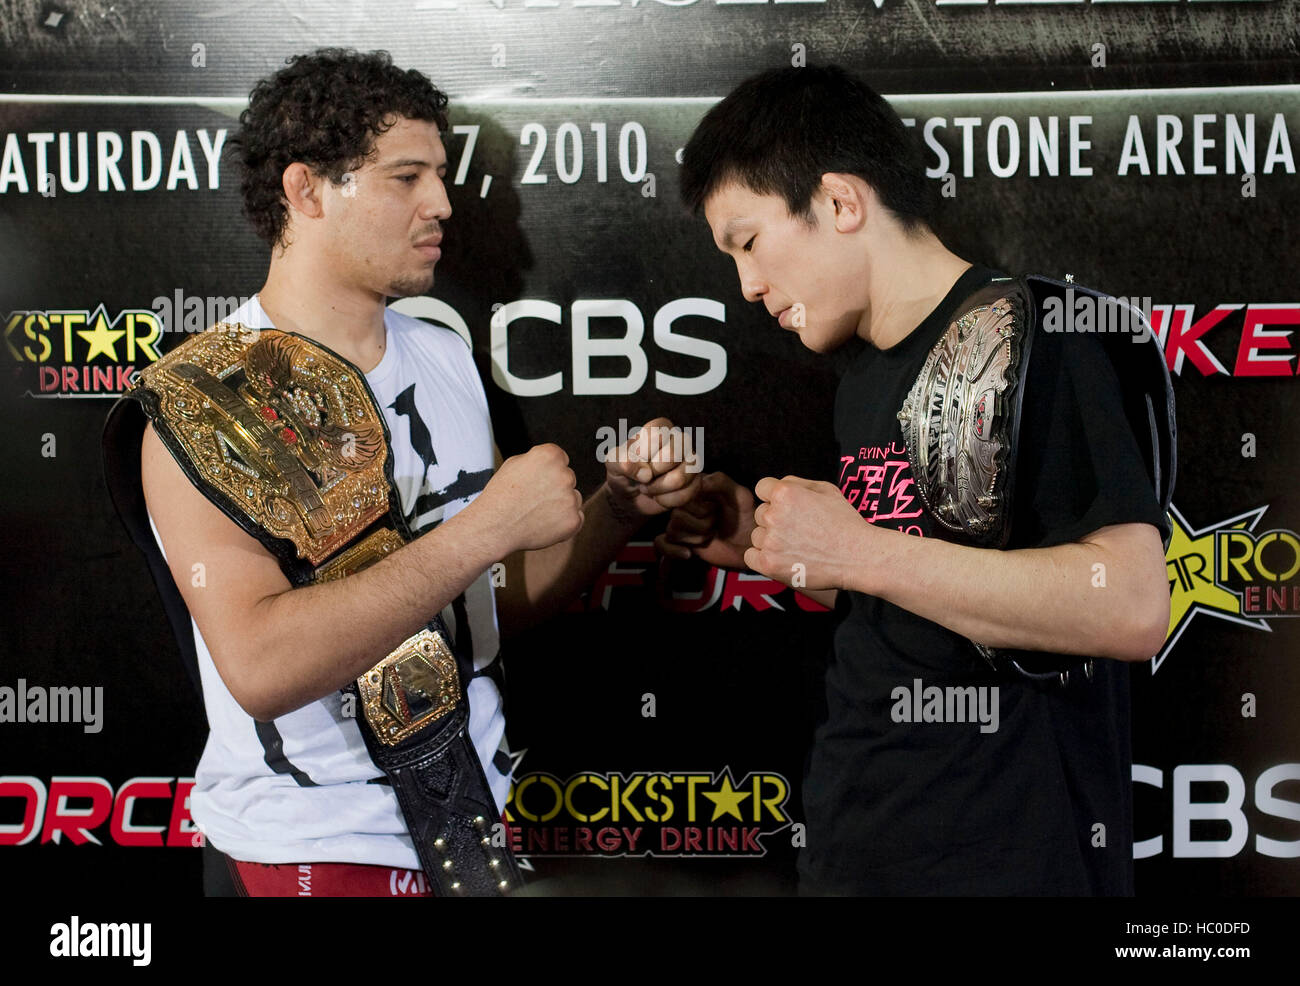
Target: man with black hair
point(322, 479)
point(992, 509)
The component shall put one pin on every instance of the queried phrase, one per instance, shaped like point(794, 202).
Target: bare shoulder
point(183, 515)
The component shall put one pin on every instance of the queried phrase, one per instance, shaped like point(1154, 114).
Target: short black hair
point(778, 132)
point(324, 109)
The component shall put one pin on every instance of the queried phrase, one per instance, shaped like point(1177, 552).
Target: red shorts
point(327, 880)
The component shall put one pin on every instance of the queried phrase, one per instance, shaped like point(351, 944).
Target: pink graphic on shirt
point(878, 482)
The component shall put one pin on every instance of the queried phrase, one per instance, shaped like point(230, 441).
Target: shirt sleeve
point(1079, 464)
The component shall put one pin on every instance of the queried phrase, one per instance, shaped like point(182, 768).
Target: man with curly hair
point(343, 172)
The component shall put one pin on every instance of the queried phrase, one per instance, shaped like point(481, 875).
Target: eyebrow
point(731, 228)
point(410, 163)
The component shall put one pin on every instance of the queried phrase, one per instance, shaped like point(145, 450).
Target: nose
point(436, 204)
point(752, 286)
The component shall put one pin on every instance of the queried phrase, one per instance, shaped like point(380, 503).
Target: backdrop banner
point(659, 728)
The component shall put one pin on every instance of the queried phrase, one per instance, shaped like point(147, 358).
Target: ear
point(302, 190)
point(850, 197)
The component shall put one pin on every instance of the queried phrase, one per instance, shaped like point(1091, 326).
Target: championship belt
point(961, 423)
point(285, 437)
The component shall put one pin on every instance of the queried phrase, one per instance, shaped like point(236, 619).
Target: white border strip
point(19, 97)
point(239, 101)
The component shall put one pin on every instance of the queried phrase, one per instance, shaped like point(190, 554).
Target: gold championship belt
point(285, 437)
point(961, 423)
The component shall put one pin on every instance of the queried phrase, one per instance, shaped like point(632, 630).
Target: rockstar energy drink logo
point(80, 353)
point(646, 814)
point(1230, 570)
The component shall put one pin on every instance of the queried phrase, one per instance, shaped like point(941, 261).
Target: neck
point(908, 276)
point(305, 297)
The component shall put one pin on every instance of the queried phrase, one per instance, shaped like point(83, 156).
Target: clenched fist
point(808, 527)
point(657, 470)
point(715, 526)
point(532, 500)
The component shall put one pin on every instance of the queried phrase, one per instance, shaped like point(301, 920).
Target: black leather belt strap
point(440, 786)
point(447, 802)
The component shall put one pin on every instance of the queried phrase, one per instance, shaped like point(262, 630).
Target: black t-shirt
point(1043, 803)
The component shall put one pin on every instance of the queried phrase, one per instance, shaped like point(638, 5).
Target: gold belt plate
point(414, 686)
point(284, 429)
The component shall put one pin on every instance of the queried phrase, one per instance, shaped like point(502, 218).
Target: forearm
point(540, 583)
point(307, 642)
point(1078, 598)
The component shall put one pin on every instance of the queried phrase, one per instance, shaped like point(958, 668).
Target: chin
point(819, 342)
point(409, 287)
point(827, 338)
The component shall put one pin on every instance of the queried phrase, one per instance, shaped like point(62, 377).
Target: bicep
point(222, 572)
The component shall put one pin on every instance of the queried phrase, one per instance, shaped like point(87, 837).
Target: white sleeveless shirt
point(297, 789)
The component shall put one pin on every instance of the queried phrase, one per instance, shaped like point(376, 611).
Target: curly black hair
point(325, 110)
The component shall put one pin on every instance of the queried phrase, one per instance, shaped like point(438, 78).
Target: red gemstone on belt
point(289, 435)
point(269, 413)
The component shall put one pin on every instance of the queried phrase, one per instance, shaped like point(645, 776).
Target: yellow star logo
point(727, 801)
point(101, 339)
point(1191, 564)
